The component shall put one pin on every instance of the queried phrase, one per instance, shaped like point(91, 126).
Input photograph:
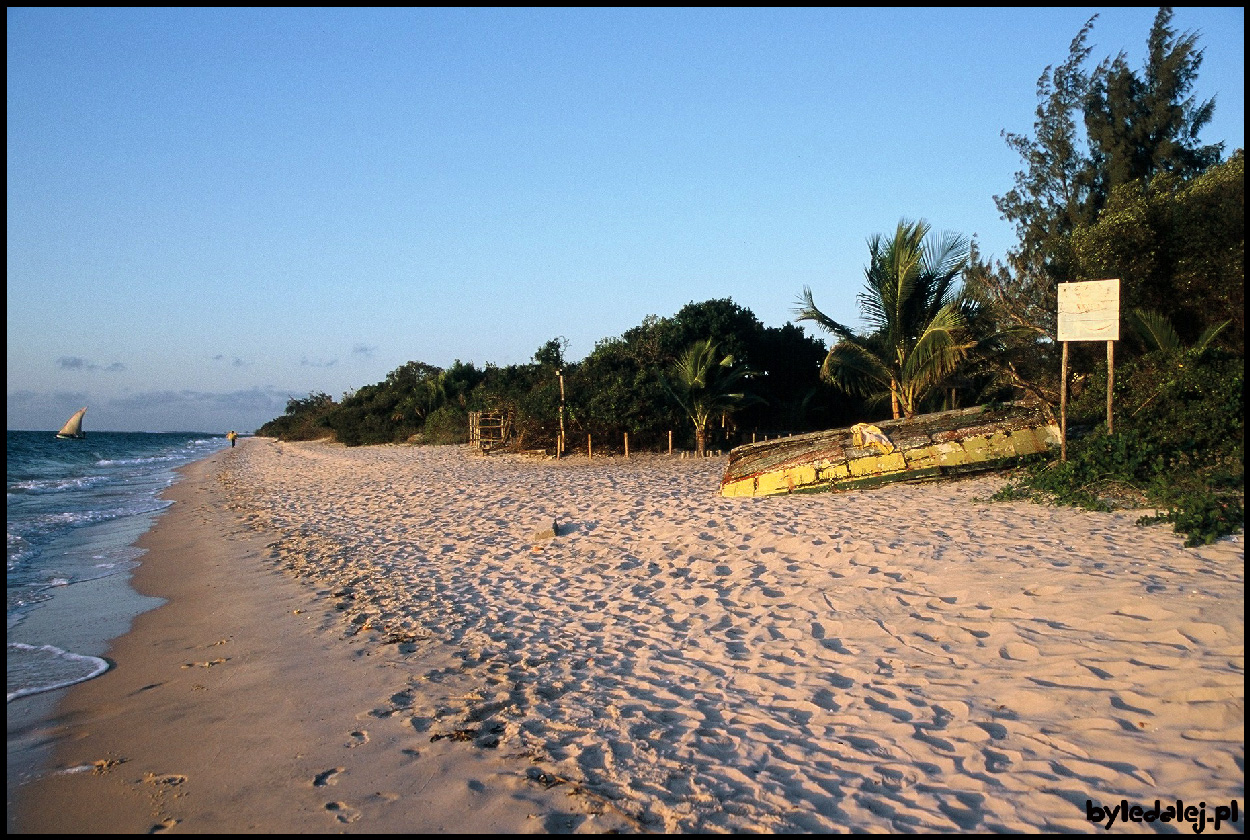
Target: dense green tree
point(1094, 132)
point(304, 419)
point(1142, 125)
point(735, 329)
point(459, 382)
point(410, 392)
point(551, 354)
point(916, 337)
point(792, 396)
point(619, 388)
point(1178, 246)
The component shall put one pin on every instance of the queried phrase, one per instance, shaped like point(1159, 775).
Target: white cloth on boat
point(867, 435)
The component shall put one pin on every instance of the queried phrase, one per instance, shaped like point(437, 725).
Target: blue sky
point(213, 210)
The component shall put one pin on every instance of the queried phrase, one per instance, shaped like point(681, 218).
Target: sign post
point(1088, 311)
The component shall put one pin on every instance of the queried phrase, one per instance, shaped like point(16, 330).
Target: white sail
point(73, 426)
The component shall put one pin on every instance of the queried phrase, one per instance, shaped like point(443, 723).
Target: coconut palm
point(912, 305)
point(705, 384)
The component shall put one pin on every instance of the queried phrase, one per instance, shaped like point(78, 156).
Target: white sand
point(913, 658)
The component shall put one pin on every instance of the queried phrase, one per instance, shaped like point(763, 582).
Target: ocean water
point(75, 508)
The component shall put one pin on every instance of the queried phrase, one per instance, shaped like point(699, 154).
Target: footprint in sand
point(1019, 651)
point(358, 737)
point(343, 812)
point(329, 777)
point(209, 664)
point(163, 826)
point(171, 779)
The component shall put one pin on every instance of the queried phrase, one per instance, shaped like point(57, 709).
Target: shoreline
point(376, 641)
point(230, 709)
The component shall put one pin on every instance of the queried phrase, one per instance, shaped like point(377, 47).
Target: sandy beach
point(392, 639)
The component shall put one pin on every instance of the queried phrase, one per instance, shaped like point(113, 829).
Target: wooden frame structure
point(488, 430)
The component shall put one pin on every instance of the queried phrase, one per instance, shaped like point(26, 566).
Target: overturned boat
point(920, 448)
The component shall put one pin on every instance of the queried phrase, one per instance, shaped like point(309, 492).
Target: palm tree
point(705, 384)
point(913, 308)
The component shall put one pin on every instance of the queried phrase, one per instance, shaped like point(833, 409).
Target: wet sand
point(386, 639)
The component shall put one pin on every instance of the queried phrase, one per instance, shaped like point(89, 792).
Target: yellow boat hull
point(927, 447)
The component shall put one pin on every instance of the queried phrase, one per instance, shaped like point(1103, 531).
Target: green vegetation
point(1133, 196)
point(910, 302)
point(305, 419)
point(1178, 445)
point(704, 384)
point(624, 386)
point(1179, 245)
point(1115, 183)
point(1139, 198)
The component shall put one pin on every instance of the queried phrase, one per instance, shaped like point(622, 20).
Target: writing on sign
point(1089, 311)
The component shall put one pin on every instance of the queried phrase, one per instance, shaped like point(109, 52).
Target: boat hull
point(927, 447)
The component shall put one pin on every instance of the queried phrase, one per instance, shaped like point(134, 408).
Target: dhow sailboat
point(72, 430)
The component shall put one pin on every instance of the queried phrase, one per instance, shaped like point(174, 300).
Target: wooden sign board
point(1089, 311)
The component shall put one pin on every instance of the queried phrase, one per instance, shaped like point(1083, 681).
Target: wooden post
point(627, 444)
point(589, 452)
point(1110, 380)
point(670, 441)
point(560, 441)
point(1063, 405)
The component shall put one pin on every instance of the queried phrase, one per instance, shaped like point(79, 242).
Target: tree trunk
point(700, 440)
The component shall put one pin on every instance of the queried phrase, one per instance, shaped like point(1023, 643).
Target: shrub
point(305, 419)
point(448, 424)
point(1178, 445)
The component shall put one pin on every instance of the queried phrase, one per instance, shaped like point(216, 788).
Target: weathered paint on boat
point(926, 447)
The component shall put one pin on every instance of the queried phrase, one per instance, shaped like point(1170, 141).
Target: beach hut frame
point(488, 430)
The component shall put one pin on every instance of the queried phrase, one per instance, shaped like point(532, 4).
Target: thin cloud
point(79, 363)
point(251, 398)
point(363, 350)
point(317, 363)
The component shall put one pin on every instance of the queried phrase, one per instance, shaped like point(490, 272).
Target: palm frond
point(942, 346)
point(1155, 330)
point(1208, 335)
point(855, 369)
point(805, 310)
point(946, 257)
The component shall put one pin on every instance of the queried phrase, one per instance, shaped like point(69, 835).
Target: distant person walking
point(231, 436)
